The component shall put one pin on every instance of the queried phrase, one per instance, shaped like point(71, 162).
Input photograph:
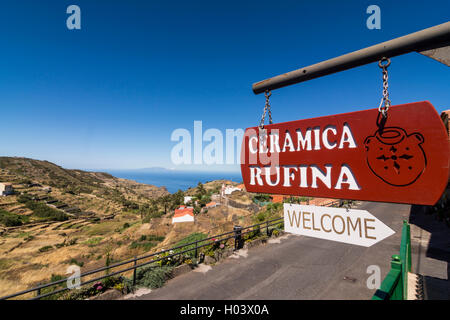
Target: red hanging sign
point(351, 156)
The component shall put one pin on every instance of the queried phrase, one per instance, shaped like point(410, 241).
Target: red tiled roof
point(182, 211)
point(211, 204)
point(277, 198)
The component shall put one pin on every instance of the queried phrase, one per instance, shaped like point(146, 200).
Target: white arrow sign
point(349, 226)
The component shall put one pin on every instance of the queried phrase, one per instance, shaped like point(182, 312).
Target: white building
point(6, 188)
point(187, 199)
point(230, 189)
point(183, 214)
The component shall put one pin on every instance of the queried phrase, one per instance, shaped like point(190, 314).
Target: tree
point(178, 198)
point(201, 191)
point(165, 200)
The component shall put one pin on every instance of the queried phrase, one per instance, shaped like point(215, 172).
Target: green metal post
point(405, 256)
point(409, 248)
point(392, 286)
point(397, 292)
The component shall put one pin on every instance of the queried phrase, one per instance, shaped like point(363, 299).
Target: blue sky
point(108, 96)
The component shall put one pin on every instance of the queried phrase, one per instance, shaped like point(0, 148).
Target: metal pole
point(427, 39)
point(134, 272)
point(237, 237)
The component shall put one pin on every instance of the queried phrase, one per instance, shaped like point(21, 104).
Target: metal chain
point(385, 98)
point(267, 94)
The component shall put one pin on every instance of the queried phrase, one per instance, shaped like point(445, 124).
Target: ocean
point(174, 180)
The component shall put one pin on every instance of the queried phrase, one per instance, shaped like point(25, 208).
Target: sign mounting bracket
point(433, 42)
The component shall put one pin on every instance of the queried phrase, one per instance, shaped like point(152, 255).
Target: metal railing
point(395, 285)
point(236, 234)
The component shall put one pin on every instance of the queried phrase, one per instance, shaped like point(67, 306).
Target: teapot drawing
point(396, 157)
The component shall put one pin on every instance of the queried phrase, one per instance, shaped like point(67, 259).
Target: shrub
point(24, 198)
point(210, 250)
point(152, 277)
point(253, 234)
point(43, 211)
point(146, 242)
point(56, 277)
point(262, 197)
point(153, 237)
point(9, 219)
point(76, 262)
point(152, 214)
point(165, 260)
point(45, 248)
point(196, 236)
point(93, 241)
point(144, 245)
point(53, 278)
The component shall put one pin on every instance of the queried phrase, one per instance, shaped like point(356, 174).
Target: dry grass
point(23, 265)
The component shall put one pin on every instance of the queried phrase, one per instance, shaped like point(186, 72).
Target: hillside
point(27, 171)
point(59, 217)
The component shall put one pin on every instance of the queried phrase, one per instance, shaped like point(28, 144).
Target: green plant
point(76, 262)
point(196, 236)
point(56, 277)
point(46, 290)
point(262, 197)
point(93, 241)
point(120, 287)
point(197, 209)
point(9, 219)
point(143, 245)
point(45, 248)
point(125, 226)
point(146, 242)
point(214, 247)
point(167, 259)
point(152, 277)
point(43, 211)
point(92, 290)
point(253, 234)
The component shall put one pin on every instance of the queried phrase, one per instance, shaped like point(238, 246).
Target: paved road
point(297, 267)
